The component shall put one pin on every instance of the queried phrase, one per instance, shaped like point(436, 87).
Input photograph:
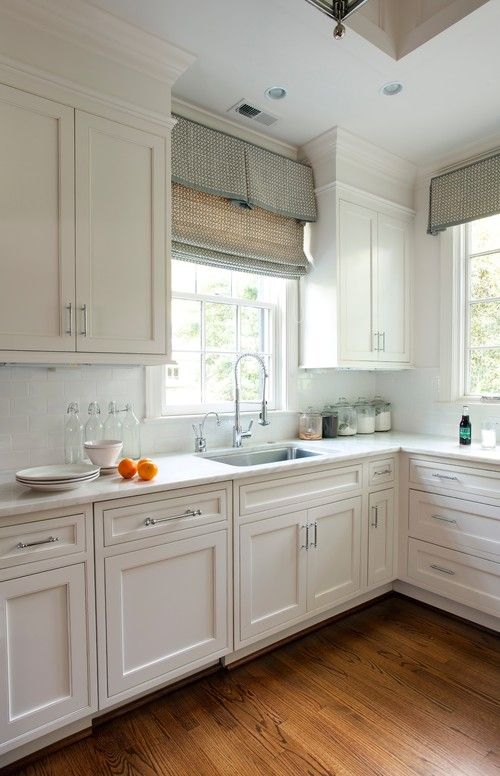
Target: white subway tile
point(30, 405)
point(8, 425)
point(47, 389)
point(11, 390)
point(13, 461)
point(46, 423)
point(5, 442)
point(4, 407)
point(47, 456)
point(29, 441)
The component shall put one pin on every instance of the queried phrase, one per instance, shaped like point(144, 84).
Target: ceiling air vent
point(251, 112)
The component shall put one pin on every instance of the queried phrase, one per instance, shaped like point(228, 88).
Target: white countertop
point(188, 469)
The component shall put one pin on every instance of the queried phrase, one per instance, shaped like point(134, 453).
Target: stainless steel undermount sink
point(256, 457)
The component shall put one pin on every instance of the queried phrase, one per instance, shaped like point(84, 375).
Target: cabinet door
point(393, 289)
point(43, 651)
point(120, 239)
point(37, 287)
point(381, 537)
point(273, 567)
point(357, 303)
point(166, 607)
point(334, 556)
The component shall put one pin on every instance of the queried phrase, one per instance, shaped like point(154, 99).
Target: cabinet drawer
point(464, 578)
point(140, 518)
point(462, 479)
point(454, 523)
point(50, 538)
point(381, 471)
point(287, 491)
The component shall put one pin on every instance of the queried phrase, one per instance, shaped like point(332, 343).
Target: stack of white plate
point(67, 476)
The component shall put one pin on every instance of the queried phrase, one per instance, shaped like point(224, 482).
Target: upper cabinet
point(37, 234)
point(355, 302)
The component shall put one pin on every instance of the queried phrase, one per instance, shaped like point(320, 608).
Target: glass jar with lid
point(310, 425)
point(382, 414)
point(330, 419)
point(347, 419)
point(366, 416)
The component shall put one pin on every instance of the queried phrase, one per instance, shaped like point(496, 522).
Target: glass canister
point(347, 419)
point(310, 425)
point(330, 419)
point(366, 416)
point(382, 414)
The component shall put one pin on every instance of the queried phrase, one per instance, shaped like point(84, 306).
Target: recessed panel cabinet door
point(393, 289)
point(273, 568)
point(43, 651)
point(166, 607)
point(120, 238)
point(37, 254)
point(381, 537)
point(334, 556)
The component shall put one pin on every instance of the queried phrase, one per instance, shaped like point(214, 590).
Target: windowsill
point(223, 415)
point(469, 401)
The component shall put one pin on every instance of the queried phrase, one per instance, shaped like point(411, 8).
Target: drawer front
point(287, 491)
point(454, 523)
point(461, 479)
point(381, 471)
point(152, 517)
point(456, 575)
point(51, 538)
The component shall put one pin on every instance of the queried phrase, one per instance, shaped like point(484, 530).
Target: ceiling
point(450, 97)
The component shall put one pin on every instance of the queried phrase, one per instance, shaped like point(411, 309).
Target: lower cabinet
point(381, 537)
point(297, 563)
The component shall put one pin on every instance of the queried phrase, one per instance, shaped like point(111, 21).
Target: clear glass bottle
point(382, 414)
point(113, 424)
point(93, 427)
point(348, 421)
point(131, 434)
point(330, 422)
point(366, 416)
point(310, 425)
point(73, 435)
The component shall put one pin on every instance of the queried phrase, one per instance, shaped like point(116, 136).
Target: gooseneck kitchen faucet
point(238, 434)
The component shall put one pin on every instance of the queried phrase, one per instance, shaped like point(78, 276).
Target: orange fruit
point(127, 468)
point(142, 460)
point(147, 470)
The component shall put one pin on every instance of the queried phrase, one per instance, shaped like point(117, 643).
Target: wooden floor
point(393, 690)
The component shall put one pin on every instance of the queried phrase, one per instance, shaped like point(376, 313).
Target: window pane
point(219, 379)
point(184, 380)
point(251, 379)
point(485, 324)
point(220, 326)
point(183, 276)
point(485, 371)
point(213, 281)
point(484, 234)
point(485, 276)
point(247, 286)
point(186, 325)
point(251, 329)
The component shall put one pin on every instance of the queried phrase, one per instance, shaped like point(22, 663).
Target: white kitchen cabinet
point(120, 237)
point(334, 557)
point(273, 572)
point(37, 234)
point(381, 537)
point(355, 301)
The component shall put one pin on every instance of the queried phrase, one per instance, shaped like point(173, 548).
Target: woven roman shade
point(216, 163)
point(212, 230)
point(465, 194)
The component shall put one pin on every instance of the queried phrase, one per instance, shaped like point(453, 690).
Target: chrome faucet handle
point(248, 433)
point(263, 421)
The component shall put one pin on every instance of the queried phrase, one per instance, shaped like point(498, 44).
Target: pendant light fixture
point(339, 11)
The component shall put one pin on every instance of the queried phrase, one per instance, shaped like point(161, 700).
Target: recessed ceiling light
point(391, 89)
point(276, 92)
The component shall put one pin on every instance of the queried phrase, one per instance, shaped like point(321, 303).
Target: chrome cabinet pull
point(85, 312)
point(22, 546)
point(306, 545)
point(444, 519)
point(445, 477)
point(314, 542)
point(383, 341)
point(69, 308)
point(375, 524)
point(187, 513)
point(377, 335)
point(443, 570)
point(382, 472)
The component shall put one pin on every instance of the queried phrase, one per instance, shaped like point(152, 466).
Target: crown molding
point(99, 32)
point(382, 203)
point(472, 152)
point(348, 147)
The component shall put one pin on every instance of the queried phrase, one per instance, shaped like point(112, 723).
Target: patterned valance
point(466, 194)
point(216, 163)
point(213, 230)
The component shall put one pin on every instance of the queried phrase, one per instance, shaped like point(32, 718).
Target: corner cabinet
point(360, 249)
point(84, 235)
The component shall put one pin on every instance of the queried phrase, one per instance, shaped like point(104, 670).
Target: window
point(216, 315)
point(481, 325)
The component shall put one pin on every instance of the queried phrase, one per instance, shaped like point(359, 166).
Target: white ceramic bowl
point(105, 452)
